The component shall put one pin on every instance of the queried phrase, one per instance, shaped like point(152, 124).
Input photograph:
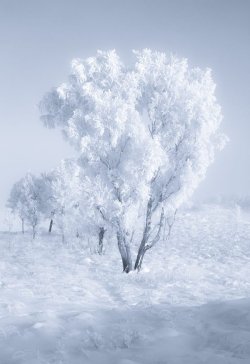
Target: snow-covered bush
point(232, 201)
point(145, 136)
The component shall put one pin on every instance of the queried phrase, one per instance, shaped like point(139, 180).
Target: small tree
point(73, 210)
point(145, 137)
point(26, 201)
point(15, 202)
point(48, 202)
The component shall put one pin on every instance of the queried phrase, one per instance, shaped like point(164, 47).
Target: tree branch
point(157, 236)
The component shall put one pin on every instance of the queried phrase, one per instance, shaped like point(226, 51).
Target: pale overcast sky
point(38, 39)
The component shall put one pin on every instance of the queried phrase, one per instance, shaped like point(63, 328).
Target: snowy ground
point(189, 305)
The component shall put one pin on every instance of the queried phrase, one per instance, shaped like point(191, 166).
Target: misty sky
point(38, 39)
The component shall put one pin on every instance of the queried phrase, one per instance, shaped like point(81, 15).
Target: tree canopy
point(145, 135)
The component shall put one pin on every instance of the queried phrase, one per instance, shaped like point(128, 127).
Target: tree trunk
point(33, 232)
point(50, 225)
point(129, 258)
point(139, 259)
point(124, 249)
point(145, 243)
point(22, 226)
point(142, 249)
point(101, 236)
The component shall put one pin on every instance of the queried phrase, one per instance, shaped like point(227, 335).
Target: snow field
point(190, 303)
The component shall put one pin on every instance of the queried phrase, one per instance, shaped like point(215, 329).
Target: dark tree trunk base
point(124, 250)
point(101, 237)
point(50, 225)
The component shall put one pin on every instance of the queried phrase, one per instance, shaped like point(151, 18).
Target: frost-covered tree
point(63, 178)
point(48, 202)
point(26, 201)
point(145, 136)
point(72, 201)
point(15, 203)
